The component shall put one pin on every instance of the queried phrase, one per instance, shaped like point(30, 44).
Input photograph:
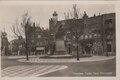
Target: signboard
point(40, 48)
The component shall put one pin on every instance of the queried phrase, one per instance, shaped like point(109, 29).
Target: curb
point(37, 60)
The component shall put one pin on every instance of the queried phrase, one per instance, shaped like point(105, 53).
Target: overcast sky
point(42, 13)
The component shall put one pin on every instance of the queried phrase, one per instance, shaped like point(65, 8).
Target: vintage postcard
point(59, 39)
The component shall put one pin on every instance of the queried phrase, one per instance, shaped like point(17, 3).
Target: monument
point(60, 43)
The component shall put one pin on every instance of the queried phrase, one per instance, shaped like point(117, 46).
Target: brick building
point(96, 33)
point(37, 39)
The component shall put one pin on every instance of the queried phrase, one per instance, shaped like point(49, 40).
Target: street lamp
point(51, 43)
point(77, 36)
point(52, 36)
point(68, 39)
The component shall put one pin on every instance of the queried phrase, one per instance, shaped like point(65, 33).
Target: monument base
point(60, 53)
point(60, 48)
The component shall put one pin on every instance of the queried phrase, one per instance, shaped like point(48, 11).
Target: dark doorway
point(109, 48)
point(88, 48)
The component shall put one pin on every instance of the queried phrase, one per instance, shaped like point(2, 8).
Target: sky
point(42, 13)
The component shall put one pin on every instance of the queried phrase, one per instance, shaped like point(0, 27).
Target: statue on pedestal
point(60, 44)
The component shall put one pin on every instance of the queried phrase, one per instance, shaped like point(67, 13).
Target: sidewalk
point(87, 59)
point(21, 57)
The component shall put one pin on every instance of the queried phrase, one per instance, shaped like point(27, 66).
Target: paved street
point(12, 68)
point(30, 70)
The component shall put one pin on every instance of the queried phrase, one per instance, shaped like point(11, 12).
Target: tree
point(18, 28)
point(74, 27)
point(74, 13)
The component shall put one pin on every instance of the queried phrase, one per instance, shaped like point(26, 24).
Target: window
point(33, 36)
point(39, 36)
point(108, 23)
point(82, 37)
point(73, 37)
point(32, 41)
point(95, 35)
point(86, 36)
point(99, 35)
point(65, 38)
point(90, 36)
point(37, 43)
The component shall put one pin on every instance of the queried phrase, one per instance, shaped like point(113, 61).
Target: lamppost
point(68, 39)
point(76, 33)
point(52, 38)
point(51, 43)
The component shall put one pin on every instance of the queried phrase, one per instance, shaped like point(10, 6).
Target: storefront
point(40, 50)
point(86, 46)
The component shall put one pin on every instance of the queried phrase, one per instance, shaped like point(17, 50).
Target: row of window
point(90, 36)
point(86, 36)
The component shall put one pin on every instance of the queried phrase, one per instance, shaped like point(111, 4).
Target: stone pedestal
point(60, 47)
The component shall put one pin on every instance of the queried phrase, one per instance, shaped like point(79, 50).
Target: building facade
point(4, 44)
point(17, 46)
point(37, 40)
point(96, 34)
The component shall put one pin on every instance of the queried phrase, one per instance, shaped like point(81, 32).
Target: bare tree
point(73, 13)
point(18, 28)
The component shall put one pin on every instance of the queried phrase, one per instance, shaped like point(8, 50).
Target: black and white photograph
point(58, 40)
